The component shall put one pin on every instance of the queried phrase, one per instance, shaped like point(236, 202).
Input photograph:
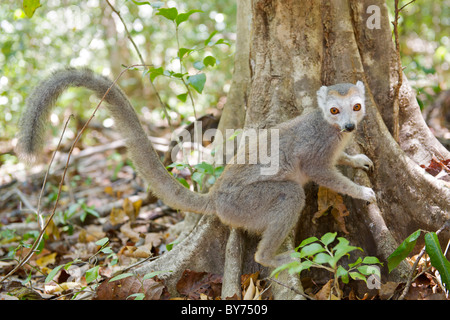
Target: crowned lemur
point(310, 147)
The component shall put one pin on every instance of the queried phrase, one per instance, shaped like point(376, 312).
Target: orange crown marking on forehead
point(349, 92)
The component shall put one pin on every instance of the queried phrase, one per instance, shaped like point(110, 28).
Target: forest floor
point(104, 223)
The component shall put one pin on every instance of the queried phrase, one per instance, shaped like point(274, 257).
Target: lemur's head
point(342, 104)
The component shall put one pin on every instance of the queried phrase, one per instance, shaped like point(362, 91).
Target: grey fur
point(309, 148)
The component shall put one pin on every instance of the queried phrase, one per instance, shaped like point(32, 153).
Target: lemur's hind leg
point(284, 216)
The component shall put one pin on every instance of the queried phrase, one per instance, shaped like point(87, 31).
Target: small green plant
point(200, 173)
point(92, 273)
point(317, 253)
point(191, 80)
point(63, 217)
point(138, 295)
point(432, 248)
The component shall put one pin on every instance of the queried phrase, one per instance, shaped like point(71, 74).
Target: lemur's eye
point(334, 110)
point(357, 107)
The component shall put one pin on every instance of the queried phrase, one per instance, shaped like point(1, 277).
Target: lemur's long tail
point(35, 119)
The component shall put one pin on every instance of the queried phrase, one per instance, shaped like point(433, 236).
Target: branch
point(163, 105)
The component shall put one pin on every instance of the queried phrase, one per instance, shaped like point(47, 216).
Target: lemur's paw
point(368, 194)
point(363, 162)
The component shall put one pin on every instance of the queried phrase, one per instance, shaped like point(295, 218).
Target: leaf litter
point(76, 262)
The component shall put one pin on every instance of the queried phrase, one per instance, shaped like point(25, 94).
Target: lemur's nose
point(349, 127)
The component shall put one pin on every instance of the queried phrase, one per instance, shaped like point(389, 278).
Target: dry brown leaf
point(123, 288)
point(192, 284)
point(257, 294)
point(117, 216)
point(52, 231)
point(250, 292)
point(131, 208)
point(387, 290)
point(339, 218)
point(143, 251)
point(153, 238)
point(245, 279)
point(130, 233)
point(326, 199)
point(91, 233)
point(109, 190)
point(325, 292)
point(46, 260)
point(53, 289)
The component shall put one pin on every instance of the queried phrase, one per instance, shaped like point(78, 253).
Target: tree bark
point(285, 51)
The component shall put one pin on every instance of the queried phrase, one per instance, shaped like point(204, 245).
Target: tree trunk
point(285, 51)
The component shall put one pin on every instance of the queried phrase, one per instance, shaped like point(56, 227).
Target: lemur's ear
point(322, 96)
point(360, 86)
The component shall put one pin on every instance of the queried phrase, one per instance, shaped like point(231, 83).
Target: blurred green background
point(80, 33)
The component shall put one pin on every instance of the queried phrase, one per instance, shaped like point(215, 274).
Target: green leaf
point(322, 258)
point(342, 273)
point(178, 165)
point(182, 97)
point(210, 37)
point(306, 242)
point(221, 41)
point(301, 266)
point(357, 276)
point(358, 261)
point(121, 276)
point(341, 249)
point(437, 258)
point(30, 6)
point(197, 81)
point(209, 61)
point(102, 241)
point(139, 296)
point(403, 250)
point(205, 167)
point(369, 270)
point(92, 274)
point(199, 65)
point(182, 17)
point(371, 260)
point(91, 211)
point(183, 52)
point(170, 245)
point(52, 274)
point(68, 264)
point(107, 250)
point(218, 171)
point(311, 250)
point(154, 72)
point(198, 177)
point(153, 274)
point(168, 13)
point(156, 5)
point(328, 238)
point(183, 182)
point(285, 266)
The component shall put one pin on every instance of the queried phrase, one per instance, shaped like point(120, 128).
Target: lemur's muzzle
point(349, 127)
